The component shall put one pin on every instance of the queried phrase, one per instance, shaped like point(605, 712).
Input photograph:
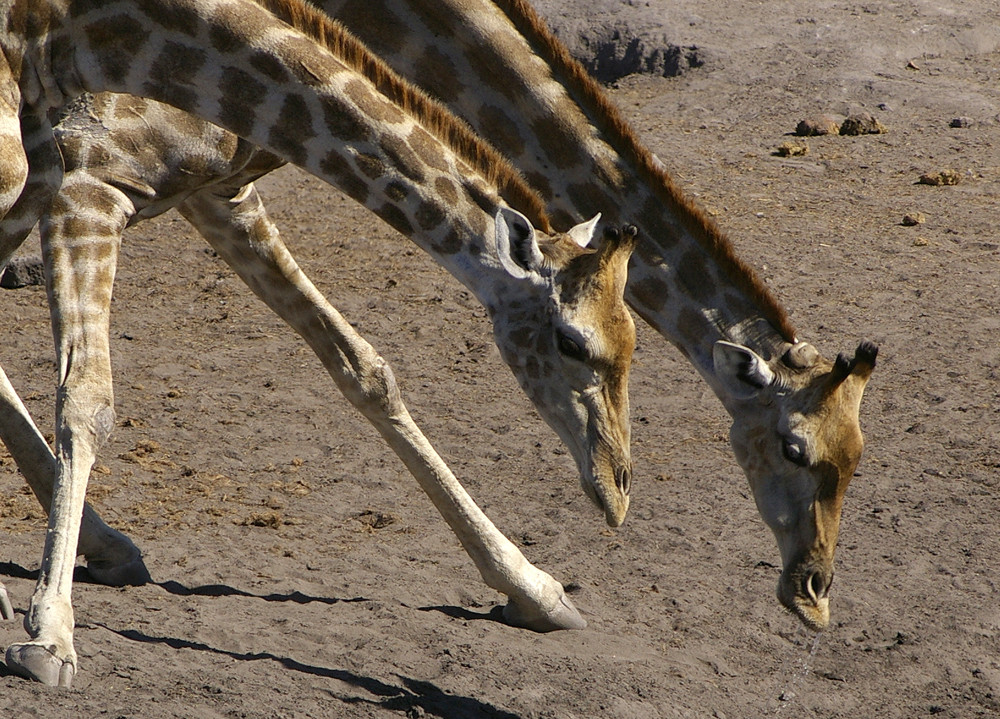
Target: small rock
point(912, 219)
point(792, 149)
point(819, 125)
point(22, 272)
point(943, 177)
point(960, 122)
point(271, 520)
point(920, 242)
point(912, 65)
point(862, 124)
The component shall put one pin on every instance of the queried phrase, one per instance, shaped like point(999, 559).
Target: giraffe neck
point(571, 144)
point(232, 63)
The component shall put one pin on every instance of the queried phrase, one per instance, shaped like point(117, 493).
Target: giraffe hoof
point(132, 573)
point(40, 664)
point(6, 610)
point(562, 616)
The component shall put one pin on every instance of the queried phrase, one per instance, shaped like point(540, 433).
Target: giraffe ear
point(583, 233)
point(517, 247)
point(742, 371)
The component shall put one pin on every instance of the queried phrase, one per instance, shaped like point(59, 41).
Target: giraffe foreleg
point(112, 558)
point(238, 228)
point(80, 250)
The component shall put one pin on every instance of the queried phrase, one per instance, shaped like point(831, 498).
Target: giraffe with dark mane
point(795, 414)
point(320, 101)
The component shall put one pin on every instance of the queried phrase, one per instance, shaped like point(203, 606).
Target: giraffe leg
point(13, 180)
point(238, 228)
point(112, 558)
point(80, 251)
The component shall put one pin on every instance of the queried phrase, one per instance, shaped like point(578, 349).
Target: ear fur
point(742, 371)
point(583, 233)
point(517, 246)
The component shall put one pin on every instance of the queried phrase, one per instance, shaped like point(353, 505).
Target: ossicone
point(624, 236)
point(860, 365)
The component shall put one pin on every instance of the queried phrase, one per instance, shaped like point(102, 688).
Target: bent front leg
point(238, 228)
point(111, 556)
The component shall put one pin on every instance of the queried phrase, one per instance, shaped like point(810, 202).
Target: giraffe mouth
point(610, 492)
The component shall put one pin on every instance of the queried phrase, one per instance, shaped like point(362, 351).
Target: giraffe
point(795, 428)
point(555, 300)
point(795, 414)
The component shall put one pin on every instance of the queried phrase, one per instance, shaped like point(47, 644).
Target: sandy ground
point(298, 571)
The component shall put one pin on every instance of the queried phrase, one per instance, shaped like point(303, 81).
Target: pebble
point(22, 272)
point(960, 122)
point(943, 177)
point(819, 125)
point(862, 124)
point(792, 149)
point(913, 219)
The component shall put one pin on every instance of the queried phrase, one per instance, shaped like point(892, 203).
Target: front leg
point(237, 226)
point(111, 556)
point(79, 284)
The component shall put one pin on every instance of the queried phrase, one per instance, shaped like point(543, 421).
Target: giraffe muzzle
point(805, 591)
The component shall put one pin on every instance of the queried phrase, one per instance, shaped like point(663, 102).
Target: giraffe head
point(796, 434)
point(570, 342)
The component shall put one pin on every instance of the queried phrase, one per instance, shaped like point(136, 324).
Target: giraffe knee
point(380, 390)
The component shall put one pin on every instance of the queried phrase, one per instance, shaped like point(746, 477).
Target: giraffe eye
point(570, 348)
point(794, 453)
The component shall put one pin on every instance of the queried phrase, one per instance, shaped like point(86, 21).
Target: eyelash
point(794, 453)
point(569, 347)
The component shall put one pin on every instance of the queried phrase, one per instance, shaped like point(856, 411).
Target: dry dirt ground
point(298, 571)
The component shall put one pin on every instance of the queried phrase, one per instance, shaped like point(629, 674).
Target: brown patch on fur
point(497, 124)
point(653, 291)
point(423, 143)
point(370, 166)
point(691, 326)
point(452, 131)
point(374, 106)
point(435, 64)
point(623, 139)
point(446, 189)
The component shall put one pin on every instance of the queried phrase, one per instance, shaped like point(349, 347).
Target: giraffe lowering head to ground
point(795, 430)
point(497, 66)
point(555, 301)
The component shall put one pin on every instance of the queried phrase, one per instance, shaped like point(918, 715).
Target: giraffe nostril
point(815, 585)
point(623, 479)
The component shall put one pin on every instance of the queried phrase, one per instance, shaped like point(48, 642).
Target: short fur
point(451, 130)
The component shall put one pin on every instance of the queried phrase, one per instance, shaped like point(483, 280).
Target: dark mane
point(619, 134)
point(433, 116)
